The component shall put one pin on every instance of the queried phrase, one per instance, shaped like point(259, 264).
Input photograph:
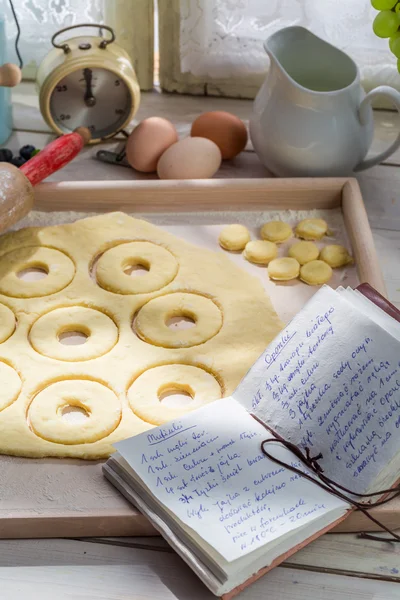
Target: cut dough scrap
point(10, 385)
point(315, 272)
point(304, 252)
point(276, 231)
point(144, 394)
point(311, 229)
point(335, 256)
point(152, 320)
point(260, 252)
point(234, 237)
point(101, 332)
point(283, 269)
point(235, 341)
point(7, 323)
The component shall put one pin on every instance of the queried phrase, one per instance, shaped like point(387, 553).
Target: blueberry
point(18, 161)
point(5, 155)
point(27, 151)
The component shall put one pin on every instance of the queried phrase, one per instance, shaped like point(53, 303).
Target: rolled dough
point(117, 376)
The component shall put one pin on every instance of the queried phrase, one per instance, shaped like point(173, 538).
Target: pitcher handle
point(394, 97)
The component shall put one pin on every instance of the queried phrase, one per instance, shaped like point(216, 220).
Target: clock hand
point(90, 100)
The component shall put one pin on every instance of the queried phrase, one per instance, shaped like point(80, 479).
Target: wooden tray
point(30, 501)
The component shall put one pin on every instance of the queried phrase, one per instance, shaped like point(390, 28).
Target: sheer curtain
point(224, 38)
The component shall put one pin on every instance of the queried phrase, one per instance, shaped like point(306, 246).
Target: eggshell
point(148, 141)
point(224, 129)
point(191, 158)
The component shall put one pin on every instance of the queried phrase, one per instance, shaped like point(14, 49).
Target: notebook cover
point(369, 292)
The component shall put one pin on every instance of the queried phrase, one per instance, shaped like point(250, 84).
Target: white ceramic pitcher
point(311, 116)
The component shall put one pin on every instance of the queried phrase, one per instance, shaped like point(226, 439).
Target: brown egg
point(224, 129)
point(148, 141)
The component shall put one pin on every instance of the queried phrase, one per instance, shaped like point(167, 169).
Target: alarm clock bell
point(88, 81)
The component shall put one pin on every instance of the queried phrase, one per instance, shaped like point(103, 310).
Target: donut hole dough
point(10, 385)
point(276, 231)
point(115, 267)
point(145, 392)
point(234, 237)
point(48, 333)
point(59, 268)
point(311, 229)
point(335, 256)
point(304, 252)
point(260, 252)
point(283, 269)
point(151, 323)
point(7, 323)
point(45, 413)
point(316, 272)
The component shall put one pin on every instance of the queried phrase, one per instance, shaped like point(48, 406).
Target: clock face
point(91, 97)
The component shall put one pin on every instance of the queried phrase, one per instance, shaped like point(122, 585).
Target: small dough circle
point(276, 231)
point(161, 264)
point(101, 331)
point(283, 269)
point(316, 272)
point(151, 321)
point(143, 394)
point(59, 268)
point(311, 229)
point(234, 237)
point(304, 252)
point(335, 256)
point(7, 323)
point(260, 252)
point(10, 385)
point(101, 404)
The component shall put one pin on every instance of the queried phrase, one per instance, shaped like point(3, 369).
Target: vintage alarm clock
point(88, 81)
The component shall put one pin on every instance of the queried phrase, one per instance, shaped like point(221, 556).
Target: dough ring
point(335, 256)
point(100, 403)
point(7, 323)
point(283, 269)
point(10, 385)
point(234, 237)
point(152, 318)
point(101, 332)
point(276, 231)
point(304, 252)
point(316, 272)
point(260, 252)
point(59, 268)
point(311, 229)
point(111, 269)
point(145, 391)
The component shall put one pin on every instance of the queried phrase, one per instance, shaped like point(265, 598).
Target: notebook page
point(207, 468)
point(331, 381)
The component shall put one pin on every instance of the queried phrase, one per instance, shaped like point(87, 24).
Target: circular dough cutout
point(144, 393)
point(10, 385)
point(304, 252)
point(311, 229)
point(260, 252)
point(100, 404)
point(7, 323)
point(59, 268)
point(101, 332)
point(112, 267)
point(151, 322)
point(276, 231)
point(335, 255)
point(283, 269)
point(234, 237)
point(316, 272)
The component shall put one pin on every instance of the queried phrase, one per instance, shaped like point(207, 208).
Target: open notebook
point(330, 382)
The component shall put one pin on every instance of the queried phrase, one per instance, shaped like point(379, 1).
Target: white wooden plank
point(66, 570)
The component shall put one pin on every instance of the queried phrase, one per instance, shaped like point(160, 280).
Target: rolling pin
point(16, 185)
point(10, 75)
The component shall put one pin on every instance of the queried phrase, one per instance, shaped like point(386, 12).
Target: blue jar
point(5, 92)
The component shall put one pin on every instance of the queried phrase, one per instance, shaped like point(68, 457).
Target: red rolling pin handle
point(55, 155)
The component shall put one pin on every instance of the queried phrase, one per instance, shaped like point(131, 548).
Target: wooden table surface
point(335, 567)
